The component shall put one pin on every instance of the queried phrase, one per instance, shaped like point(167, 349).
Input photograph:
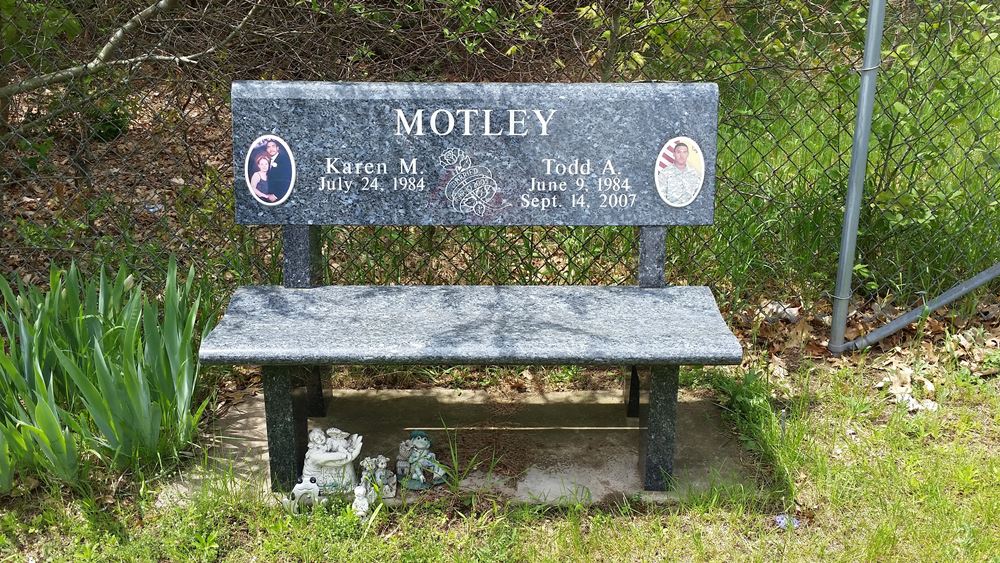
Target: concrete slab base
point(557, 447)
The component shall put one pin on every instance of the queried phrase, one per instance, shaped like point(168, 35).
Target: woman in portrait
point(258, 182)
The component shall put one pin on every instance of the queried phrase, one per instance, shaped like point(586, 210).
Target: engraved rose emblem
point(472, 188)
point(454, 160)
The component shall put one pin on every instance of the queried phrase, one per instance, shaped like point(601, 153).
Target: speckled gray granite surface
point(343, 136)
point(660, 440)
point(472, 325)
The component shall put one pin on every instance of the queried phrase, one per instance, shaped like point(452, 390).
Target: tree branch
point(136, 21)
point(193, 57)
point(101, 61)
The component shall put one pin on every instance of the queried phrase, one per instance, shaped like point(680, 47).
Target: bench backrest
point(476, 154)
point(315, 153)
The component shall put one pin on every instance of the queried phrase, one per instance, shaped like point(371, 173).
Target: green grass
point(867, 479)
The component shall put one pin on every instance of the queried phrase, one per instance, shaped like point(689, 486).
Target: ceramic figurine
point(305, 495)
point(360, 505)
point(420, 461)
point(336, 439)
point(330, 460)
point(377, 478)
point(403, 458)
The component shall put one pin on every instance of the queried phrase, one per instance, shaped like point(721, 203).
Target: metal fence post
point(856, 177)
point(958, 291)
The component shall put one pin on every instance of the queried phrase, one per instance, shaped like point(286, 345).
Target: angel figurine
point(330, 459)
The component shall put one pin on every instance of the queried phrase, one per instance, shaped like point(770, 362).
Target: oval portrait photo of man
point(679, 171)
point(269, 170)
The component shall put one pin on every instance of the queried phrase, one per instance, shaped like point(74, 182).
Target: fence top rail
point(314, 153)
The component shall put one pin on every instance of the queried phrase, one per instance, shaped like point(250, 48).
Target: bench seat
point(587, 325)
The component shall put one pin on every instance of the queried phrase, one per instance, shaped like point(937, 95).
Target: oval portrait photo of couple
point(679, 171)
point(269, 170)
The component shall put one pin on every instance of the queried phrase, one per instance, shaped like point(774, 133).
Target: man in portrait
point(280, 173)
point(680, 182)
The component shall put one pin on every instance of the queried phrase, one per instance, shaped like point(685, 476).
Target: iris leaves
point(95, 365)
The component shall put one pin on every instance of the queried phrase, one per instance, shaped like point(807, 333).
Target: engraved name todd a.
point(467, 122)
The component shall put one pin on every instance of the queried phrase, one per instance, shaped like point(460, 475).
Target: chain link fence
point(930, 211)
point(115, 139)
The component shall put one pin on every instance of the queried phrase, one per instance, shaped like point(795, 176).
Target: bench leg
point(286, 428)
point(312, 378)
point(632, 388)
point(661, 428)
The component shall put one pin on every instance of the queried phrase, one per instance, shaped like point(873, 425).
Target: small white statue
point(420, 460)
point(330, 460)
point(360, 505)
point(377, 478)
point(305, 495)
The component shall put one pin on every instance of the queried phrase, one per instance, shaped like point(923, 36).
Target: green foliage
point(508, 28)
point(31, 431)
point(107, 118)
point(933, 164)
point(29, 30)
point(169, 352)
point(899, 485)
point(678, 40)
point(775, 435)
point(34, 153)
point(472, 24)
point(788, 94)
point(55, 442)
point(94, 363)
point(6, 465)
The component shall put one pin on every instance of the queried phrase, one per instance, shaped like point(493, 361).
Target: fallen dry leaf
point(799, 335)
point(900, 381)
point(929, 352)
point(928, 385)
point(778, 368)
point(773, 311)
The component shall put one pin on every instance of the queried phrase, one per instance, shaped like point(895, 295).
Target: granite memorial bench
point(309, 154)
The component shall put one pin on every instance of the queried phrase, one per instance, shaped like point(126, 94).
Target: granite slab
point(587, 325)
point(474, 153)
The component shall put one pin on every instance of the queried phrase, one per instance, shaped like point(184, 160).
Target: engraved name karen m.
point(483, 122)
